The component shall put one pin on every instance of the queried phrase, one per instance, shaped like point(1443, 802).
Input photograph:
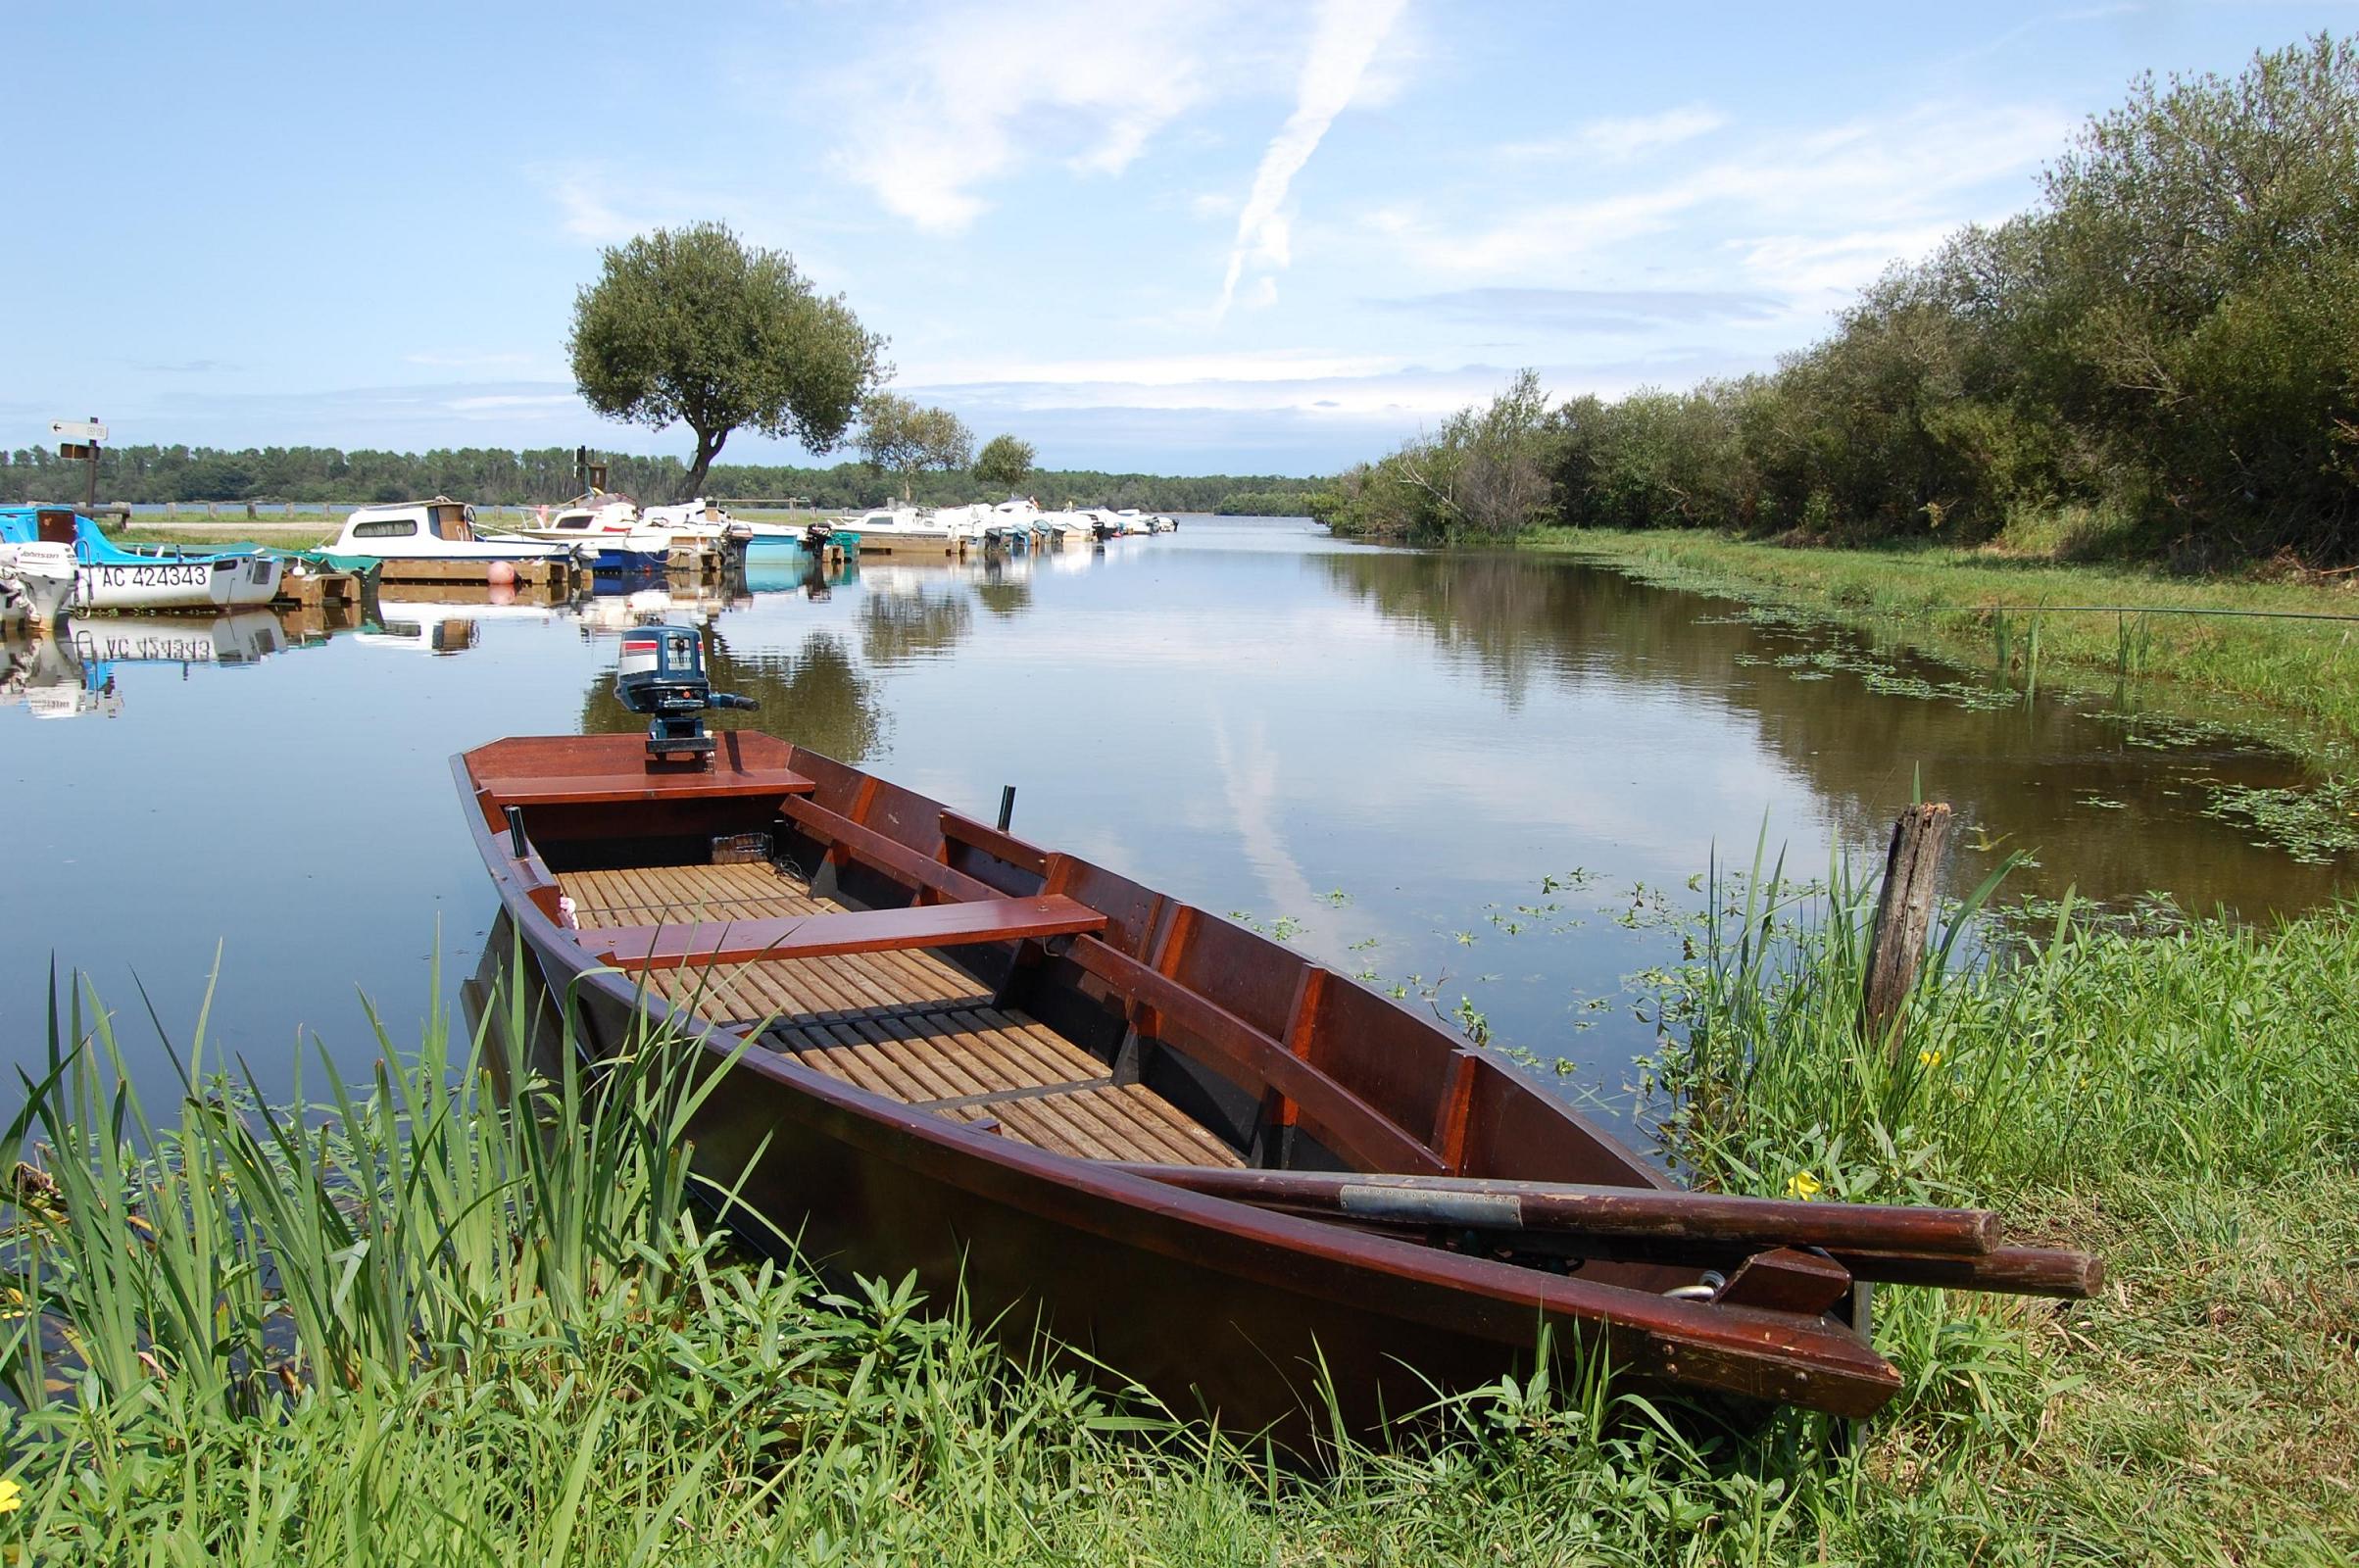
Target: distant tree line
point(2161, 359)
point(491, 475)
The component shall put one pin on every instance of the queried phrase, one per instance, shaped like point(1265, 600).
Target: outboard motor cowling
point(661, 674)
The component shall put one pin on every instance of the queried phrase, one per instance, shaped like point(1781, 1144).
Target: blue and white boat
point(110, 577)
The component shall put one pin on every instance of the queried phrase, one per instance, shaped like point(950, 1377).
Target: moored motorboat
point(785, 538)
point(606, 531)
point(886, 529)
point(1084, 1107)
point(440, 529)
point(109, 576)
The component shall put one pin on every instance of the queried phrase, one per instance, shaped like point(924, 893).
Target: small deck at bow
point(899, 1022)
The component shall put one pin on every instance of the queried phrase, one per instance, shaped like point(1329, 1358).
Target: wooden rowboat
point(1224, 1171)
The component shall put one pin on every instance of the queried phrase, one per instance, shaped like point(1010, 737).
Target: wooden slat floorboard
point(903, 1023)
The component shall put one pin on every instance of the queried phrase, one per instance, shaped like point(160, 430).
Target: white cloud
point(586, 213)
point(1829, 207)
point(1346, 39)
point(990, 91)
point(1157, 370)
point(1619, 140)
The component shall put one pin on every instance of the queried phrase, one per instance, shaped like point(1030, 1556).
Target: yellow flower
point(12, 1495)
point(1804, 1185)
point(1929, 1058)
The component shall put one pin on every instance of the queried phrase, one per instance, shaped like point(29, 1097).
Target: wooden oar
point(2013, 1270)
point(1886, 1244)
point(1624, 1212)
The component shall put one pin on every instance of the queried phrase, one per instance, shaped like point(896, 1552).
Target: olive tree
point(1004, 461)
point(693, 326)
point(897, 436)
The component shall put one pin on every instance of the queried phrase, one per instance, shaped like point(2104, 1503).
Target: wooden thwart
point(603, 789)
point(811, 936)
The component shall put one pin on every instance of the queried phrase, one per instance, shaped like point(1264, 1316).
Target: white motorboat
point(630, 537)
point(440, 529)
point(696, 519)
point(108, 576)
point(1062, 527)
point(886, 529)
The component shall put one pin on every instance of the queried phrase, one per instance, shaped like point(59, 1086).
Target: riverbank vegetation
point(2154, 362)
point(410, 1326)
point(1985, 607)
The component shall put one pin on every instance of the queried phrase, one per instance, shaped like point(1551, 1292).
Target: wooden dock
point(547, 575)
point(317, 590)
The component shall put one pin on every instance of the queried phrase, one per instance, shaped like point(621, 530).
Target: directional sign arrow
point(77, 430)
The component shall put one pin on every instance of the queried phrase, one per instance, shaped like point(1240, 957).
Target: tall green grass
point(2061, 1052)
point(422, 1325)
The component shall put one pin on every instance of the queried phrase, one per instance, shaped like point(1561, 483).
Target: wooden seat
point(692, 944)
point(600, 789)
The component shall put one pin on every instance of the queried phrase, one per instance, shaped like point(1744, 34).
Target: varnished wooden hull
point(1255, 1318)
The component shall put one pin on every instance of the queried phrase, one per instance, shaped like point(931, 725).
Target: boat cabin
point(438, 519)
point(598, 512)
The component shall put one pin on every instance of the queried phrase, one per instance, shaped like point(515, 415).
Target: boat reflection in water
point(76, 673)
point(696, 603)
point(805, 574)
point(438, 626)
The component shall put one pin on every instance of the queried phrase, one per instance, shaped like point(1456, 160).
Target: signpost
point(82, 438)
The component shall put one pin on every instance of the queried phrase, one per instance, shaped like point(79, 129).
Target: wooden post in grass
point(1913, 883)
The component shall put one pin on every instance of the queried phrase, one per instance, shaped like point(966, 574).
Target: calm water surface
point(1490, 773)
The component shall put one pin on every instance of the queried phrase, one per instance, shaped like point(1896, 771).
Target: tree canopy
point(693, 326)
point(897, 436)
point(1004, 461)
point(2158, 358)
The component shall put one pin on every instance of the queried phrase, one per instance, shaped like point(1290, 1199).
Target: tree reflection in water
point(1864, 719)
point(817, 697)
point(912, 623)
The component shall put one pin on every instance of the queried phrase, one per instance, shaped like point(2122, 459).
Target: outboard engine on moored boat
point(661, 674)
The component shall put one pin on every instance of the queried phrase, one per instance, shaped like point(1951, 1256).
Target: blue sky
point(1175, 235)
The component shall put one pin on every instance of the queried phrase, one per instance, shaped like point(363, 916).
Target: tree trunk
point(707, 447)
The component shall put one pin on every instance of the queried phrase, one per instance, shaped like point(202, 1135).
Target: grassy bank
point(2296, 679)
point(278, 533)
point(411, 1327)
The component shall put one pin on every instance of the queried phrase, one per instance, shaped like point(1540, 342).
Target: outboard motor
point(662, 674)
